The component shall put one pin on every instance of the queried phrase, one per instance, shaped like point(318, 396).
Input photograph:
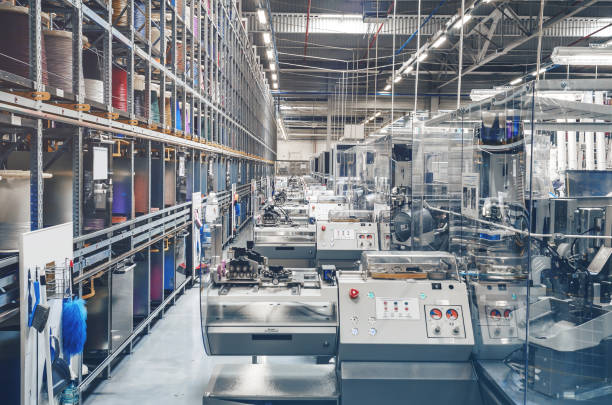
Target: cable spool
point(94, 90)
point(178, 122)
point(187, 113)
point(155, 102)
point(119, 88)
point(167, 109)
point(179, 62)
point(15, 41)
point(118, 6)
point(58, 46)
point(92, 65)
point(139, 96)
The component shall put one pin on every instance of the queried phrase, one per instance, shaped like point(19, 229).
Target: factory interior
point(305, 202)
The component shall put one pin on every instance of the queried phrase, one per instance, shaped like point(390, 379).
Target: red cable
point(307, 25)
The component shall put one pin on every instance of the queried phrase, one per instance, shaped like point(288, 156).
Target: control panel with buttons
point(391, 316)
point(345, 239)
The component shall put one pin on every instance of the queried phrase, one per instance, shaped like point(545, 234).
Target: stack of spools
point(155, 102)
point(15, 41)
point(119, 88)
point(92, 72)
point(139, 96)
point(118, 7)
point(58, 47)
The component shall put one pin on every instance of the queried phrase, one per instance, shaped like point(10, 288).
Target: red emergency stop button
point(353, 293)
point(322, 227)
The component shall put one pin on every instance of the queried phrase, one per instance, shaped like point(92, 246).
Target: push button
point(353, 293)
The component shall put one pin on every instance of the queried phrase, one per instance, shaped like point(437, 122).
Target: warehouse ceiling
point(333, 59)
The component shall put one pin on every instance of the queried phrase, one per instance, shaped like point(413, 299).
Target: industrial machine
point(252, 308)
point(321, 206)
point(405, 331)
point(344, 236)
point(284, 239)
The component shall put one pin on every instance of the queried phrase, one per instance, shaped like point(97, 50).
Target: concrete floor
point(169, 365)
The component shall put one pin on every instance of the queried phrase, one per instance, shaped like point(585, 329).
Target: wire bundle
point(15, 41)
point(119, 88)
point(118, 7)
point(58, 46)
point(94, 90)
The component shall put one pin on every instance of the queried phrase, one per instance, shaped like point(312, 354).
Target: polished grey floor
point(169, 365)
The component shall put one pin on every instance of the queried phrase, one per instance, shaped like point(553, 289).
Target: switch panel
point(336, 237)
point(404, 320)
point(444, 321)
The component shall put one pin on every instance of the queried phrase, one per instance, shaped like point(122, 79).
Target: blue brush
point(74, 326)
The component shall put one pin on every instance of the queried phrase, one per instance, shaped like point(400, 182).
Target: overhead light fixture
point(397, 79)
point(423, 56)
point(378, 114)
point(516, 81)
point(462, 21)
point(274, 76)
point(272, 66)
point(275, 85)
point(582, 56)
point(270, 54)
point(261, 15)
point(267, 37)
point(442, 39)
point(388, 87)
point(542, 70)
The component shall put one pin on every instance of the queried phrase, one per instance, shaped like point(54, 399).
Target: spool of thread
point(119, 88)
point(94, 90)
point(58, 46)
point(155, 102)
point(118, 6)
point(140, 17)
point(92, 65)
point(15, 41)
point(139, 96)
point(178, 122)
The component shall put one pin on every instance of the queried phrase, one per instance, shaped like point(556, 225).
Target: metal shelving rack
point(209, 68)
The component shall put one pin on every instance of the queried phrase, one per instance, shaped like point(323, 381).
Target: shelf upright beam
point(107, 68)
point(36, 158)
point(162, 80)
point(130, 60)
point(77, 51)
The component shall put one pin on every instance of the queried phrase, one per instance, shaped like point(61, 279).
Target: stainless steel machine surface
point(286, 244)
point(252, 308)
point(344, 236)
point(405, 331)
point(323, 204)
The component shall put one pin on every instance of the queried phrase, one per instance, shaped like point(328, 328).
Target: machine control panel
point(404, 312)
point(444, 321)
point(347, 236)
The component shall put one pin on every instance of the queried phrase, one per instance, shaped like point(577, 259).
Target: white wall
point(298, 150)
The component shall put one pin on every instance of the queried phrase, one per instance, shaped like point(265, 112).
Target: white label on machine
point(100, 163)
point(398, 308)
point(344, 234)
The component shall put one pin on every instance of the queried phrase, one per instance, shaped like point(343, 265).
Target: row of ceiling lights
point(455, 23)
point(262, 16)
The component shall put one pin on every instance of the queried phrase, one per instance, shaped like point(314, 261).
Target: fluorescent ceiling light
point(267, 37)
point(582, 56)
point(274, 76)
point(275, 85)
point(388, 87)
point(270, 54)
point(272, 66)
point(542, 70)
point(516, 81)
point(398, 79)
point(461, 22)
point(261, 15)
point(423, 56)
point(439, 42)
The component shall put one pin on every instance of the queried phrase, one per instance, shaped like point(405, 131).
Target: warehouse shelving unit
point(215, 128)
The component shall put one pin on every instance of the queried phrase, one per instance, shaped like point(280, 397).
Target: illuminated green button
point(370, 294)
point(423, 296)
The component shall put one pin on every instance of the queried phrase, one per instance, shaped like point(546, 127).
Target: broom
point(74, 327)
